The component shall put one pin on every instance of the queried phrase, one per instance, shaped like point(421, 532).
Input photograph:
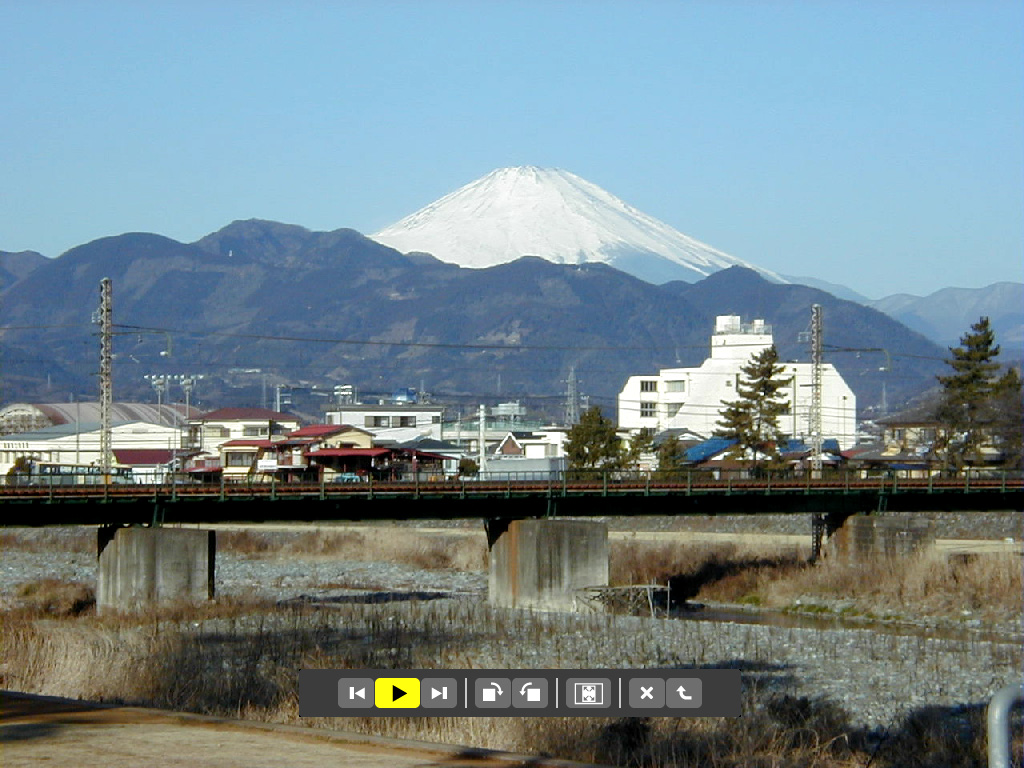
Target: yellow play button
point(396, 692)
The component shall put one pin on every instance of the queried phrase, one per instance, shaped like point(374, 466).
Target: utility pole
point(482, 437)
point(106, 377)
point(817, 367)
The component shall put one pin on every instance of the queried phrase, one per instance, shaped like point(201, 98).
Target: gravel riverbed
point(877, 674)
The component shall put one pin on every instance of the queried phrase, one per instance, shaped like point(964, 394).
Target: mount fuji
point(560, 217)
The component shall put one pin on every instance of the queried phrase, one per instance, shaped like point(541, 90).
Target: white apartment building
point(691, 398)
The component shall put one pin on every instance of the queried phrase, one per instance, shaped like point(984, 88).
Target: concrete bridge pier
point(542, 563)
point(142, 567)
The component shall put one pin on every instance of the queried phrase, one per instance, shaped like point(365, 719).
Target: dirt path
point(50, 731)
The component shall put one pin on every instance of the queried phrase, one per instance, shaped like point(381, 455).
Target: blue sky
point(873, 144)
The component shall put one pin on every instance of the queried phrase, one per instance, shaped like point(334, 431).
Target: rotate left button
point(396, 692)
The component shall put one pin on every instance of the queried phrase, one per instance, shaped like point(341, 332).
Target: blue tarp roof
point(708, 448)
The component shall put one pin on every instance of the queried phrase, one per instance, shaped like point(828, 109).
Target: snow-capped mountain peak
point(554, 214)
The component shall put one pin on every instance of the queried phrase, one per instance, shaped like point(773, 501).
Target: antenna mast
point(817, 365)
point(106, 377)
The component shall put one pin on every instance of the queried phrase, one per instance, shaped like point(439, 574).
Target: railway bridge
point(540, 517)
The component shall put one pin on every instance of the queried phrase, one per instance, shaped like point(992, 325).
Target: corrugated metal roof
point(69, 413)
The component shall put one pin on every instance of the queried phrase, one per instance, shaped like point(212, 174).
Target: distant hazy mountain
point(837, 290)
point(944, 316)
point(558, 216)
point(259, 302)
point(15, 266)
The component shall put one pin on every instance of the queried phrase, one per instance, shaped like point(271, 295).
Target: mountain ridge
point(360, 313)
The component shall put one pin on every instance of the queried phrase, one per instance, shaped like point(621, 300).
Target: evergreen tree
point(752, 420)
point(642, 442)
point(967, 392)
point(670, 458)
point(593, 443)
point(1007, 409)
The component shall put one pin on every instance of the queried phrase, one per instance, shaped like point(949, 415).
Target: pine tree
point(752, 420)
point(965, 408)
point(642, 443)
point(593, 443)
point(670, 459)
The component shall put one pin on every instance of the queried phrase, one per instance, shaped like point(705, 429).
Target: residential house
point(209, 431)
point(285, 458)
point(535, 454)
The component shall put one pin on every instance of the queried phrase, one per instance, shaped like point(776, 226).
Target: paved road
point(43, 730)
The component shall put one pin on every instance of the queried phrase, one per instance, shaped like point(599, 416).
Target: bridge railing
point(726, 479)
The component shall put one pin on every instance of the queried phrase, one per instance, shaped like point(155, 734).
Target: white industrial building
point(691, 398)
point(79, 444)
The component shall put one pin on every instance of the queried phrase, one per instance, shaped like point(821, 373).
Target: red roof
point(144, 456)
point(321, 430)
point(247, 414)
point(347, 452)
point(248, 443)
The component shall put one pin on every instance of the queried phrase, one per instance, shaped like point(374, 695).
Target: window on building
point(405, 421)
point(235, 459)
point(378, 421)
point(648, 410)
point(675, 386)
point(257, 431)
point(649, 385)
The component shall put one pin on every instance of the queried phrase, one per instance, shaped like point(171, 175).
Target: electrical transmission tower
point(572, 399)
point(106, 376)
point(817, 366)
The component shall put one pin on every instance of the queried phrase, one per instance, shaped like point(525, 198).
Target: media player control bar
point(519, 692)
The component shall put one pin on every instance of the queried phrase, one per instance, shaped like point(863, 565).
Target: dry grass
point(927, 584)
point(76, 539)
point(428, 551)
point(53, 597)
point(240, 660)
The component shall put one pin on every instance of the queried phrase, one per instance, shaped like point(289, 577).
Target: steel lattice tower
point(106, 377)
point(817, 365)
